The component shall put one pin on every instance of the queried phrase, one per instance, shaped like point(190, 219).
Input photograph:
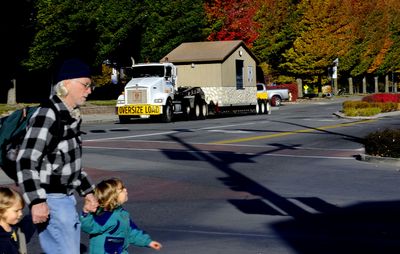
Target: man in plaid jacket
point(49, 174)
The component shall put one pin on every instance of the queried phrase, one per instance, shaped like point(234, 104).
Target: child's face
point(122, 195)
point(13, 214)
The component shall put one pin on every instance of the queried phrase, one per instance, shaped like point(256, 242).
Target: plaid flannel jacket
point(57, 171)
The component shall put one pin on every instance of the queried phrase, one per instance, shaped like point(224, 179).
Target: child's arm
point(139, 238)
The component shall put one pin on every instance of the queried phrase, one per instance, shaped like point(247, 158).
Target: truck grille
point(136, 96)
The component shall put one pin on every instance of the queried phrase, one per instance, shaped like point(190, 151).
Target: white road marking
point(232, 131)
point(134, 136)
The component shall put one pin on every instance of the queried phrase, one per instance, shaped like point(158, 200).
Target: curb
point(341, 115)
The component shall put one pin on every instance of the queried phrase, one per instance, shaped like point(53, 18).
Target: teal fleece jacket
point(112, 232)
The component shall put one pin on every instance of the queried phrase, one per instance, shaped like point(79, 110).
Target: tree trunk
point(299, 88)
point(12, 93)
point(376, 84)
point(364, 85)
point(386, 83)
point(351, 85)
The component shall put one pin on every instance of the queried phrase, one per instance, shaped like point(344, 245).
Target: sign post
point(334, 75)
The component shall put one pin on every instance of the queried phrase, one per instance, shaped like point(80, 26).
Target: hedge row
point(363, 106)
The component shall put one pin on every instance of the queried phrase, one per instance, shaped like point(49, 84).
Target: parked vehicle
point(153, 91)
point(275, 96)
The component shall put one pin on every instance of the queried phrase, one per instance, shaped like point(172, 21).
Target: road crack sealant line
point(238, 140)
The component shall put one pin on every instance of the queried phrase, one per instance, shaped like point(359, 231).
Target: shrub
point(355, 104)
point(361, 111)
point(384, 143)
point(358, 105)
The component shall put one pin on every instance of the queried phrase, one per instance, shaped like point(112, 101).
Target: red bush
point(382, 97)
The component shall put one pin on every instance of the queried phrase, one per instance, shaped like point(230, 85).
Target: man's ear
point(61, 90)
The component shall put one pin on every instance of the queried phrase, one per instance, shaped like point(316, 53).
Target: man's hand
point(91, 203)
point(40, 213)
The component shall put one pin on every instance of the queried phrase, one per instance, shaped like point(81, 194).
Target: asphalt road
point(289, 182)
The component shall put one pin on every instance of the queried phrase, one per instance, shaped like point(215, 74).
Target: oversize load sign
point(139, 110)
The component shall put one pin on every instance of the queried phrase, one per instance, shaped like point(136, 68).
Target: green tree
point(92, 30)
point(167, 24)
point(16, 29)
point(278, 30)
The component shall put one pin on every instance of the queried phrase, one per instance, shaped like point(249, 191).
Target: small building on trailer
point(225, 71)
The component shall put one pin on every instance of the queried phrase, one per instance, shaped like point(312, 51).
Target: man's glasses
point(87, 85)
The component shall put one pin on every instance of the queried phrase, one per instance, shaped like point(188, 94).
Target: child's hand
point(91, 203)
point(155, 245)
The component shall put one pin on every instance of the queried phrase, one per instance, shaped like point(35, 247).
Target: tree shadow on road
point(369, 227)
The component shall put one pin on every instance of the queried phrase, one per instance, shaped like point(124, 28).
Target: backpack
point(12, 133)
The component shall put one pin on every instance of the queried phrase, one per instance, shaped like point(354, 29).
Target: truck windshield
point(146, 71)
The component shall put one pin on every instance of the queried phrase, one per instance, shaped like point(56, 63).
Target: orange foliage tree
point(232, 20)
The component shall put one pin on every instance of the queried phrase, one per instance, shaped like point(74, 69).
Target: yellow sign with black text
point(143, 109)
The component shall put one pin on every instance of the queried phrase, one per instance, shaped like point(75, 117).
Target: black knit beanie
point(73, 68)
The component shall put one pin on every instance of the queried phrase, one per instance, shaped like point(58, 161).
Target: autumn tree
point(322, 37)
point(232, 20)
point(391, 58)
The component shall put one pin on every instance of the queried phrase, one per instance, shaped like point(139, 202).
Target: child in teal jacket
point(111, 228)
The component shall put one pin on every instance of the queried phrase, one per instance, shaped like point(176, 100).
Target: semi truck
point(154, 91)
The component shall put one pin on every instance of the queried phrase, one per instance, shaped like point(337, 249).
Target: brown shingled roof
point(208, 51)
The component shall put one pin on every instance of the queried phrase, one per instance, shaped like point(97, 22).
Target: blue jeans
point(63, 231)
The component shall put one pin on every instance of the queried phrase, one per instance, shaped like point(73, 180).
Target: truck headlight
point(121, 99)
point(158, 100)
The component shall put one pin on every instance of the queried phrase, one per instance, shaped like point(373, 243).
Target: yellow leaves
point(380, 57)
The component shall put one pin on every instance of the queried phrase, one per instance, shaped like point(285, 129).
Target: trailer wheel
point(268, 108)
point(257, 108)
point(203, 110)
point(167, 113)
point(262, 107)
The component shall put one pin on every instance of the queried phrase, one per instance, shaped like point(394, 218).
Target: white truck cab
point(153, 91)
point(150, 91)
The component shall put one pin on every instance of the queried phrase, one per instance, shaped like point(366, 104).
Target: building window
point(239, 74)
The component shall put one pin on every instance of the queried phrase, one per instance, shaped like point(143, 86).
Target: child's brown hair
point(107, 193)
point(8, 197)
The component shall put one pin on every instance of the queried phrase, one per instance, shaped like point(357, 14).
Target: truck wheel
point(186, 112)
point(276, 101)
point(123, 119)
point(196, 112)
point(167, 113)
